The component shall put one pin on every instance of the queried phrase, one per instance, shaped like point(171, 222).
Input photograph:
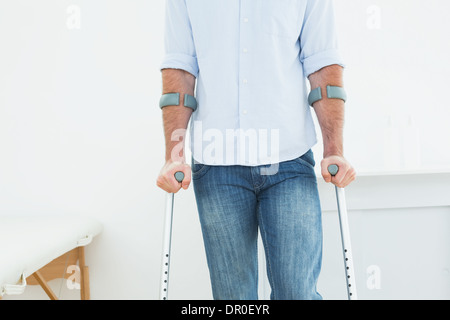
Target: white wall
point(397, 68)
point(80, 130)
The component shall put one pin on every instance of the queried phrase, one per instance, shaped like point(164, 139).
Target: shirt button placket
point(244, 98)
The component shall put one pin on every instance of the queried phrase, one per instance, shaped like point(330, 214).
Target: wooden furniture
point(58, 269)
point(35, 250)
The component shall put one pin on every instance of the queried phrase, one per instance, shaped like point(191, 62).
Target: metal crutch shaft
point(345, 237)
point(167, 241)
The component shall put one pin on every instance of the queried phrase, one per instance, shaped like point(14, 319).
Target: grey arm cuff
point(333, 92)
point(173, 99)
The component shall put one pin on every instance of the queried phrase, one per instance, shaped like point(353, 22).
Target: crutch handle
point(333, 169)
point(179, 176)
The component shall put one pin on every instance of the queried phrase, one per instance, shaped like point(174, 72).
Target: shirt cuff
point(181, 61)
point(321, 60)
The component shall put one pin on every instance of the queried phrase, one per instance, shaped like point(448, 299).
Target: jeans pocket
point(198, 169)
point(281, 18)
point(307, 159)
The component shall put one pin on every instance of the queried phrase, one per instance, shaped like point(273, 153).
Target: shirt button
point(245, 50)
point(244, 112)
point(245, 81)
point(245, 20)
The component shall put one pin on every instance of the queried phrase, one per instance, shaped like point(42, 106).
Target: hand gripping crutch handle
point(345, 237)
point(165, 265)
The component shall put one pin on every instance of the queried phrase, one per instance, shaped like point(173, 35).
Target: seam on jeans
point(257, 187)
point(266, 252)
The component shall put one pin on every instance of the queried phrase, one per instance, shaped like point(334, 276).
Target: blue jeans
point(233, 201)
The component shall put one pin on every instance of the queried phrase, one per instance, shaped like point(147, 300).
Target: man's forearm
point(330, 112)
point(176, 118)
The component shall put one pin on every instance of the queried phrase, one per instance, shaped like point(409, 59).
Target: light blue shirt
point(251, 59)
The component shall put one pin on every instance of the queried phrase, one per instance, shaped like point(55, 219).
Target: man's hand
point(345, 175)
point(166, 179)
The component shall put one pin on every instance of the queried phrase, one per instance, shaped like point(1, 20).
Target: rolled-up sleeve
point(318, 39)
point(178, 39)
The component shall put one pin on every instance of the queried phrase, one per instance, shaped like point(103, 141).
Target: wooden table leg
point(39, 278)
point(84, 285)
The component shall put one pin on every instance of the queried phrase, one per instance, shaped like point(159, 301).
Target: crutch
point(165, 265)
point(345, 237)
